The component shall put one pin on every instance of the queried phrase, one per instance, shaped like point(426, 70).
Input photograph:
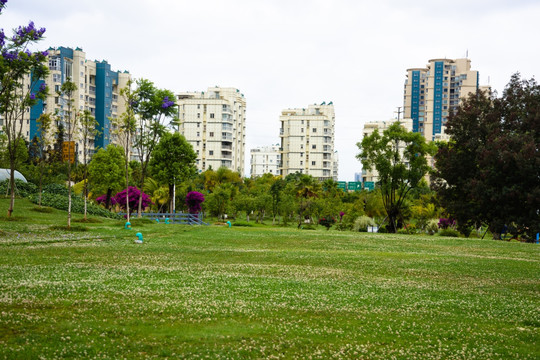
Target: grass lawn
point(236, 293)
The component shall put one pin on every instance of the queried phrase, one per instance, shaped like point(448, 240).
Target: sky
point(291, 53)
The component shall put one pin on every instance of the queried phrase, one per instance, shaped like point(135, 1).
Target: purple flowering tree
point(194, 199)
point(152, 107)
point(21, 75)
point(129, 198)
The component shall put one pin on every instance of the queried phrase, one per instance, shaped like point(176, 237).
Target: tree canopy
point(400, 158)
point(489, 172)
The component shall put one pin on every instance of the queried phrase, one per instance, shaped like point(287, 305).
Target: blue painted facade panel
point(415, 99)
point(35, 112)
point(437, 97)
point(104, 93)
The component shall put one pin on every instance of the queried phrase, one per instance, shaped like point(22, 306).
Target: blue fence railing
point(173, 218)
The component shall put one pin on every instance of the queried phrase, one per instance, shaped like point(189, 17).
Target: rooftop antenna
point(399, 112)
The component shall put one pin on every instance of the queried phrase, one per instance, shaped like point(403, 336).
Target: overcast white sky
point(291, 53)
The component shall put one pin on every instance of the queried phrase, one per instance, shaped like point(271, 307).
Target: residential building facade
point(369, 128)
point(214, 123)
point(98, 91)
point(433, 92)
point(307, 141)
point(265, 160)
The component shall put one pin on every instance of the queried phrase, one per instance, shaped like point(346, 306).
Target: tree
point(44, 126)
point(400, 158)
point(21, 72)
point(68, 117)
point(306, 190)
point(88, 131)
point(106, 173)
point(152, 106)
point(489, 171)
point(276, 192)
point(173, 160)
point(125, 131)
point(194, 199)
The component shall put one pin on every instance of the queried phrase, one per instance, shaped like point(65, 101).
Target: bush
point(449, 232)
point(327, 221)
point(22, 189)
point(60, 202)
point(43, 209)
point(362, 223)
point(432, 226)
point(242, 223)
point(58, 189)
point(343, 227)
point(409, 229)
point(446, 223)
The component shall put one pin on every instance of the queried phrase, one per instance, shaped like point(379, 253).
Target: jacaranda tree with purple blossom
point(152, 106)
point(21, 74)
point(194, 200)
point(133, 194)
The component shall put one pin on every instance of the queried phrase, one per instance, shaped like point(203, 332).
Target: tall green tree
point(20, 73)
point(152, 107)
point(173, 161)
point(400, 158)
point(306, 189)
point(106, 171)
point(125, 130)
point(44, 127)
point(88, 131)
point(68, 117)
point(489, 171)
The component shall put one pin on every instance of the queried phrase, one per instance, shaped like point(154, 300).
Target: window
point(198, 106)
point(313, 163)
point(211, 152)
point(198, 124)
point(301, 163)
point(314, 130)
point(313, 146)
point(301, 146)
point(57, 78)
point(211, 115)
point(198, 134)
point(301, 154)
point(302, 130)
point(211, 134)
point(198, 115)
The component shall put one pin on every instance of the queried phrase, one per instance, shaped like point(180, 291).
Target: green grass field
point(261, 292)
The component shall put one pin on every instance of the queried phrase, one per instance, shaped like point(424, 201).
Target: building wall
point(265, 160)
point(98, 89)
point(214, 123)
point(307, 141)
point(433, 92)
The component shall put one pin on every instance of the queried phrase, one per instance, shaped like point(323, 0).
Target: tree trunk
point(12, 183)
point(69, 189)
point(171, 198)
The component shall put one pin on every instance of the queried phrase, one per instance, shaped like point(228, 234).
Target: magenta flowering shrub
point(194, 199)
point(446, 223)
point(327, 221)
point(103, 198)
point(133, 194)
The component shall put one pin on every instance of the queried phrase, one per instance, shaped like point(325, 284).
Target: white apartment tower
point(433, 92)
point(307, 141)
point(265, 160)
point(214, 123)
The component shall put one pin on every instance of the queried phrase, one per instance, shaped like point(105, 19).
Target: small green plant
point(43, 209)
point(409, 229)
point(242, 223)
point(362, 223)
point(78, 228)
point(449, 232)
point(432, 226)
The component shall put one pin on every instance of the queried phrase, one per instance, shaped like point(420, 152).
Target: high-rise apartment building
point(98, 89)
point(433, 92)
point(265, 160)
point(214, 123)
point(307, 141)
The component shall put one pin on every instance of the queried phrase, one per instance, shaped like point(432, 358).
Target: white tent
point(4, 175)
